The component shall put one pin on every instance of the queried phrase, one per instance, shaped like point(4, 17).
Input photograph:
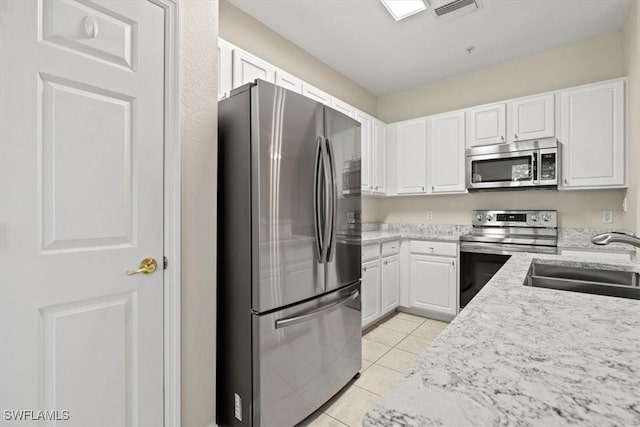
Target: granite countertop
point(370, 237)
point(518, 355)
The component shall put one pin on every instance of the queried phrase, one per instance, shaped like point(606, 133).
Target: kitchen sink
point(613, 283)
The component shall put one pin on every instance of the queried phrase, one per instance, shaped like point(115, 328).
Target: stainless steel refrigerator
point(289, 236)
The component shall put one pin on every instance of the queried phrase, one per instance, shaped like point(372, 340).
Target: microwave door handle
point(535, 168)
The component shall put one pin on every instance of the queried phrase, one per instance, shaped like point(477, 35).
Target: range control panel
point(541, 219)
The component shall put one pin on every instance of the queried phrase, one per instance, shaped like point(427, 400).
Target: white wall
point(631, 67)
point(253, 36)
point(198, 134)
point(588, 61)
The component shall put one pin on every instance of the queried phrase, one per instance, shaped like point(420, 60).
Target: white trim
point(172, 346)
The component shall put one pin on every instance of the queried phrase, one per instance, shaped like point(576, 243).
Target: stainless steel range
point(496, 234)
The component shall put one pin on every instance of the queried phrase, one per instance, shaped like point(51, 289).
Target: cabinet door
point(593, 136)
point(288, 81)
point(412, 156)
point(316, 94)
point(432, 283)
point(247, 68)
point(225, 69)
point(379, 157)
point(366, 153)
point(533, 117)
point(370, 291)
point(390, 285)
point(487, 125)
point(446, 152)
point(343, 107)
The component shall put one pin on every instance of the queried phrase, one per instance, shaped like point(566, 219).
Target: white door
point(487, 125)
point(247, 68)
point(225, 68)
point(81, 181)
point(390, 283)
point(379, 150)
point(593, 136)
point(370, 289)
point(366, 174)
point(446, 152)
point(316, 94)
point(432, 283)
point(533, 117)
point(288, 81)
point(412, 156)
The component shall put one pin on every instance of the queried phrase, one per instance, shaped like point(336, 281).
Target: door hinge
point(165, 263)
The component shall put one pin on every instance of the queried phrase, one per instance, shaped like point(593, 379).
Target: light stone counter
point(518, 355)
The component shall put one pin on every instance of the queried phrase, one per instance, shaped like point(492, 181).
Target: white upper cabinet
point(247, 68)
point(487, 125)
point(366, 153)
point(224, 69)
point(446, 145)
point(412, 156)
point(316, 94)
point(343, 107)
point(593, 136)
point(379, 149)
point(532, 118)
point(288, 81)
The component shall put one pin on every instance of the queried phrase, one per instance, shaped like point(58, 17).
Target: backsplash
point(414, 228)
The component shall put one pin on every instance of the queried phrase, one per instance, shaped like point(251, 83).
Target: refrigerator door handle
point(305, 316)
point(333, 210)
point(318, 203)
point(327, 220)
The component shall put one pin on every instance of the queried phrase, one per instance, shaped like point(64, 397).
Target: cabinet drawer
point(391, 248)
point(434, 248)
point(370, 252)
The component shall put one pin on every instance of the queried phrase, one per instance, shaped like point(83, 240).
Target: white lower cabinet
point(380, 288)
point(370, 291)
point(433, 277)
point(391, 283)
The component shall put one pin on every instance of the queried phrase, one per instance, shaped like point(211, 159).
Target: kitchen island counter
point(518, 355)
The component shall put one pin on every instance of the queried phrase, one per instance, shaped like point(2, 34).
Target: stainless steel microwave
point(513, 166)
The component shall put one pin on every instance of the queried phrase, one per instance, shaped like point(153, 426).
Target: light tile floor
point(388, 351)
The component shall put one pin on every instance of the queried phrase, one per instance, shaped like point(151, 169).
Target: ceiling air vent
point(448, 8)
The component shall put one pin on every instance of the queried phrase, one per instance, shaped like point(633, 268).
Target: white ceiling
point(361, 40)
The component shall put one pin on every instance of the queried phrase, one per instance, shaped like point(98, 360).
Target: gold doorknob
point(147, 266)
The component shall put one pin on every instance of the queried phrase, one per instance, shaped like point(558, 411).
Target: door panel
point(366, 147)
point(533, 117)
point(446, 157)
point(390, 284)
point(370, 292)
point(412, 156)
point(285, 142)
point(81, 164)
point(343, 138)
point(247, 68)
point(379, 150)
point(487, 125)
point(433, 283)
point(301, 365)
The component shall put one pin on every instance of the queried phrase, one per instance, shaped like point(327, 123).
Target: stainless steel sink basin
point(613, 283)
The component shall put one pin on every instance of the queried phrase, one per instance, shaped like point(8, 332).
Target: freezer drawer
point(304, 355)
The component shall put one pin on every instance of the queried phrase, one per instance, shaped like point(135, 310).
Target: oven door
point(503, 170)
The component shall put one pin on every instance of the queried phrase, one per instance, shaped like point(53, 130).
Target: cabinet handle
point(364, 269)
point(502, 138)
point(431, 249)
point(566, 181)
point(385, 263)
point(423, 188)
point(433, 188)
point(453, 263)
point(515, 136)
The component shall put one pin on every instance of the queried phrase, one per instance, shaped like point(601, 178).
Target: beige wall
point(198, 134)
point(588, 61)
point(631, 67)
point(251, 35)
point(576, 208)
point(592, 60)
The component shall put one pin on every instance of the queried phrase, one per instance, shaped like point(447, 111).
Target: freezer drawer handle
point(289, 321)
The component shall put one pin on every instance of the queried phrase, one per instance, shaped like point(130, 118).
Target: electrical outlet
point(607, 217)
point(429, 215)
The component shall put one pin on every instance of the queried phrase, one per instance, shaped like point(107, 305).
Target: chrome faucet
point(616, 237)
